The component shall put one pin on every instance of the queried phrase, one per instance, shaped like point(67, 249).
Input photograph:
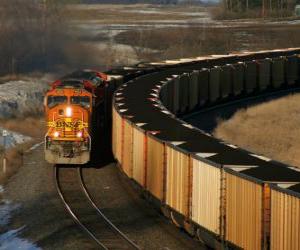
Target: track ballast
point(101, 230)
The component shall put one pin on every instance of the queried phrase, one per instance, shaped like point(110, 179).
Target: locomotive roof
point(71, 83)
point(81, 74)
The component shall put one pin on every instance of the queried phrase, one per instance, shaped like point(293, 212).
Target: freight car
point(71, 107)
point(226, 196)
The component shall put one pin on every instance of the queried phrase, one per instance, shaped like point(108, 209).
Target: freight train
point(224, 195)
point(227, 197)
point(71, 107)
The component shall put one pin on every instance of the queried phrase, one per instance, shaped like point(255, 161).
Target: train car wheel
point(174, 219)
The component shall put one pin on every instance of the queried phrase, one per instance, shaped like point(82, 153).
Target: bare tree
point(31, 34)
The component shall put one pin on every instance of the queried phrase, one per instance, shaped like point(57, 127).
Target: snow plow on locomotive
point(70, 107)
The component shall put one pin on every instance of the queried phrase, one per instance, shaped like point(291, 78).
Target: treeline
point(264, 5)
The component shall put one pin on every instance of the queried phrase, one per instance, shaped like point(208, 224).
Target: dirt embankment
point(271, 129)
point(21, 107)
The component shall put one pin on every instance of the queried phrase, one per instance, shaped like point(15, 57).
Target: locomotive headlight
point(79, 134)
point(56, 134)
point(68, 111)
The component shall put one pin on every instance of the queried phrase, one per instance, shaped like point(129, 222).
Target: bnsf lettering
point(63, 124)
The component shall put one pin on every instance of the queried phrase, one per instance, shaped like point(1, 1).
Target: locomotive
point(69, 107)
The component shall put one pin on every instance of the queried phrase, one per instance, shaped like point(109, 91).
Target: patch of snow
point(6, 207)
point(11, 240)
point(34, 146)
point(12, 138)
point(148, 11)
point(1, 189)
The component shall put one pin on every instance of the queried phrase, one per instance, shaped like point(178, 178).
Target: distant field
point(271, 129)
point(129, 34)
point(126, 14)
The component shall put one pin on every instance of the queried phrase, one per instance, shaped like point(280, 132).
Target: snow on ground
point(12, 138)
point(21, 97)
point(11, 241)
point(17, 98)
point(6, 208)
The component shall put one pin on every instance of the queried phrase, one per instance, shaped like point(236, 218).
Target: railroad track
point(102, 231)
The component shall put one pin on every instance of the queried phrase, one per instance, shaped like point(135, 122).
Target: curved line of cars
point(225, 195)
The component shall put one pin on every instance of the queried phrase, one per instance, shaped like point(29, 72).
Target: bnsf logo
point(68, 124)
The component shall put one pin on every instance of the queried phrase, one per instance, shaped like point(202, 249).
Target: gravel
point(31, 213)
point(40, 221)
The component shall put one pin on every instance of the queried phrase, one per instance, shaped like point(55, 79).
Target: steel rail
point(109, 223)
point(70, 211)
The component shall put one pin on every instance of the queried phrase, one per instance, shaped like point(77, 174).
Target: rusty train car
point(71, 107)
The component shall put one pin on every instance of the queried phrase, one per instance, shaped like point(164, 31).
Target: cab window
point(98, 81)
point(55, 100)
point(83, 101)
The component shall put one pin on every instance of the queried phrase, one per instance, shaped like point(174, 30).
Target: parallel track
point(109, 237)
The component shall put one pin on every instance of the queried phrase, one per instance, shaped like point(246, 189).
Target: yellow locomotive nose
point(69, 124)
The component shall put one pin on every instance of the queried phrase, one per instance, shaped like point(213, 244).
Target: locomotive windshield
point(83, 101)
point(55, 100)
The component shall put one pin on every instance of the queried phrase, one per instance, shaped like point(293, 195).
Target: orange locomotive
point(69, 107)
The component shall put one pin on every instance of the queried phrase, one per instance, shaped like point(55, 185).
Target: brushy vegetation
point(32, 35)
point(30, 126)
point(171, 43)
point(36, 36)
point(14, 161)
point(271, 129)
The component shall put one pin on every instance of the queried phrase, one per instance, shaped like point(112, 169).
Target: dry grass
point(120, 14)
point(271, 129)
point(30, 126)
point(182, 42)
point(14, 158)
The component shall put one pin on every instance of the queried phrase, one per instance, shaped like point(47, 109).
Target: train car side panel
point(177, 180)
point(155, 167)
point(243, 212)
point(285, 224)
point(206, 195)
point(127, 148)
point(119, 123)
point(139, 156)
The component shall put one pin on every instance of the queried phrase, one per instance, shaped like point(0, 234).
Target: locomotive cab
point(68, 107)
